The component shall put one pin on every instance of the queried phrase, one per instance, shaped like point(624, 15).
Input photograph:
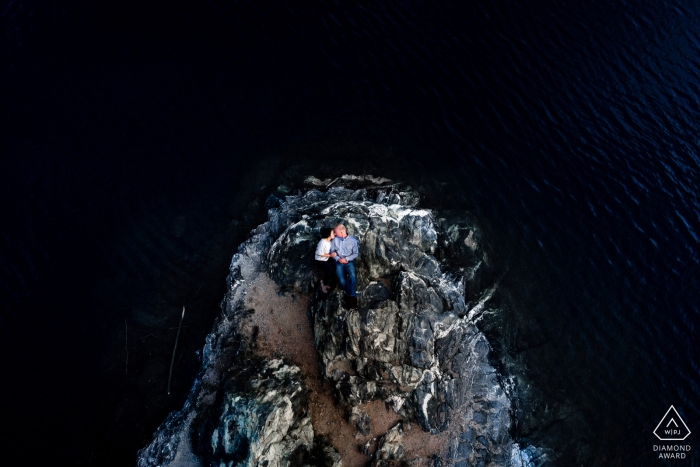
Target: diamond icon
point(672, 427)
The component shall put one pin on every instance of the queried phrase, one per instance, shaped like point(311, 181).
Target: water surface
point(570, 128)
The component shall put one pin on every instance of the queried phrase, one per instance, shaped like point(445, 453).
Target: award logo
point(672, 428)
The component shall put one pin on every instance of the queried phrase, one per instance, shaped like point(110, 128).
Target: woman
point(326, 268)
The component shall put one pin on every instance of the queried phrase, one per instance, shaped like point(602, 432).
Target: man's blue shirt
point(345, 247)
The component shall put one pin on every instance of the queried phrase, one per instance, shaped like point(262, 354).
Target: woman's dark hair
point(326, 232)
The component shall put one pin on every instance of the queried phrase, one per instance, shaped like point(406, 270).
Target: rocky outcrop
point(262, 417)
point(411, 343)
point(390, 452)
point(361, 420)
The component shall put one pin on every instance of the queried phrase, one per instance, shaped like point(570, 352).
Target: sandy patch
point(281, 328)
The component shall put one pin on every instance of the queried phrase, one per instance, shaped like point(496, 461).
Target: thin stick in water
point(126, 345)
point(172, 360)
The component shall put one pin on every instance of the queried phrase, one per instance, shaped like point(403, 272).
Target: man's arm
point(334, 249)
point(355, 251)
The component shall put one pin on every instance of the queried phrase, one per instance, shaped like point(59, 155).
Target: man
point(346, 249)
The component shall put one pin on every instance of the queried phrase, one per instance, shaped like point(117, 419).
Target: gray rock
point(374, 294)
point(262, 418)
point(412, 342)
point(462, 250)
point(415, 292)
point(360, 419)
point(528, 457)
point(390, 450)
point(333, 458)
point(461, 239)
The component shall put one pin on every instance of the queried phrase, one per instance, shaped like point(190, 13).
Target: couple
point(334, 256)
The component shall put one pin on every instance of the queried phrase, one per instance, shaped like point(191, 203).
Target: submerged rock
point(412, 341)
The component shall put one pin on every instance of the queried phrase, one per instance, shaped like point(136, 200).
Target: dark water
point(130, 135)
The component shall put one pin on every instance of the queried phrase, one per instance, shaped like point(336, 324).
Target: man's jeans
point(347, 285)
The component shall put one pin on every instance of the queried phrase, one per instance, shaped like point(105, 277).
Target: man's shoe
point(352, 302)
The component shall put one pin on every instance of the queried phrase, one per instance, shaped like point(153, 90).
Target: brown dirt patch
point(284, 330)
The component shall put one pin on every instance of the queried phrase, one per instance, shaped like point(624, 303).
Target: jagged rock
point(311, 180)
point(461, 248)
point(262, 418)
point(461, 239)
point(360, 419)
point(334, 458)
point(390, 237)
point(390, 450)
point(325, 456)
point(411, 343)
point(374, 294)
point(528, 457)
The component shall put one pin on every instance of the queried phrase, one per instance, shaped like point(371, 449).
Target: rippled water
point(571, 128)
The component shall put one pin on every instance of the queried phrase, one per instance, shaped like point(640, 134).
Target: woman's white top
point(323, 248)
